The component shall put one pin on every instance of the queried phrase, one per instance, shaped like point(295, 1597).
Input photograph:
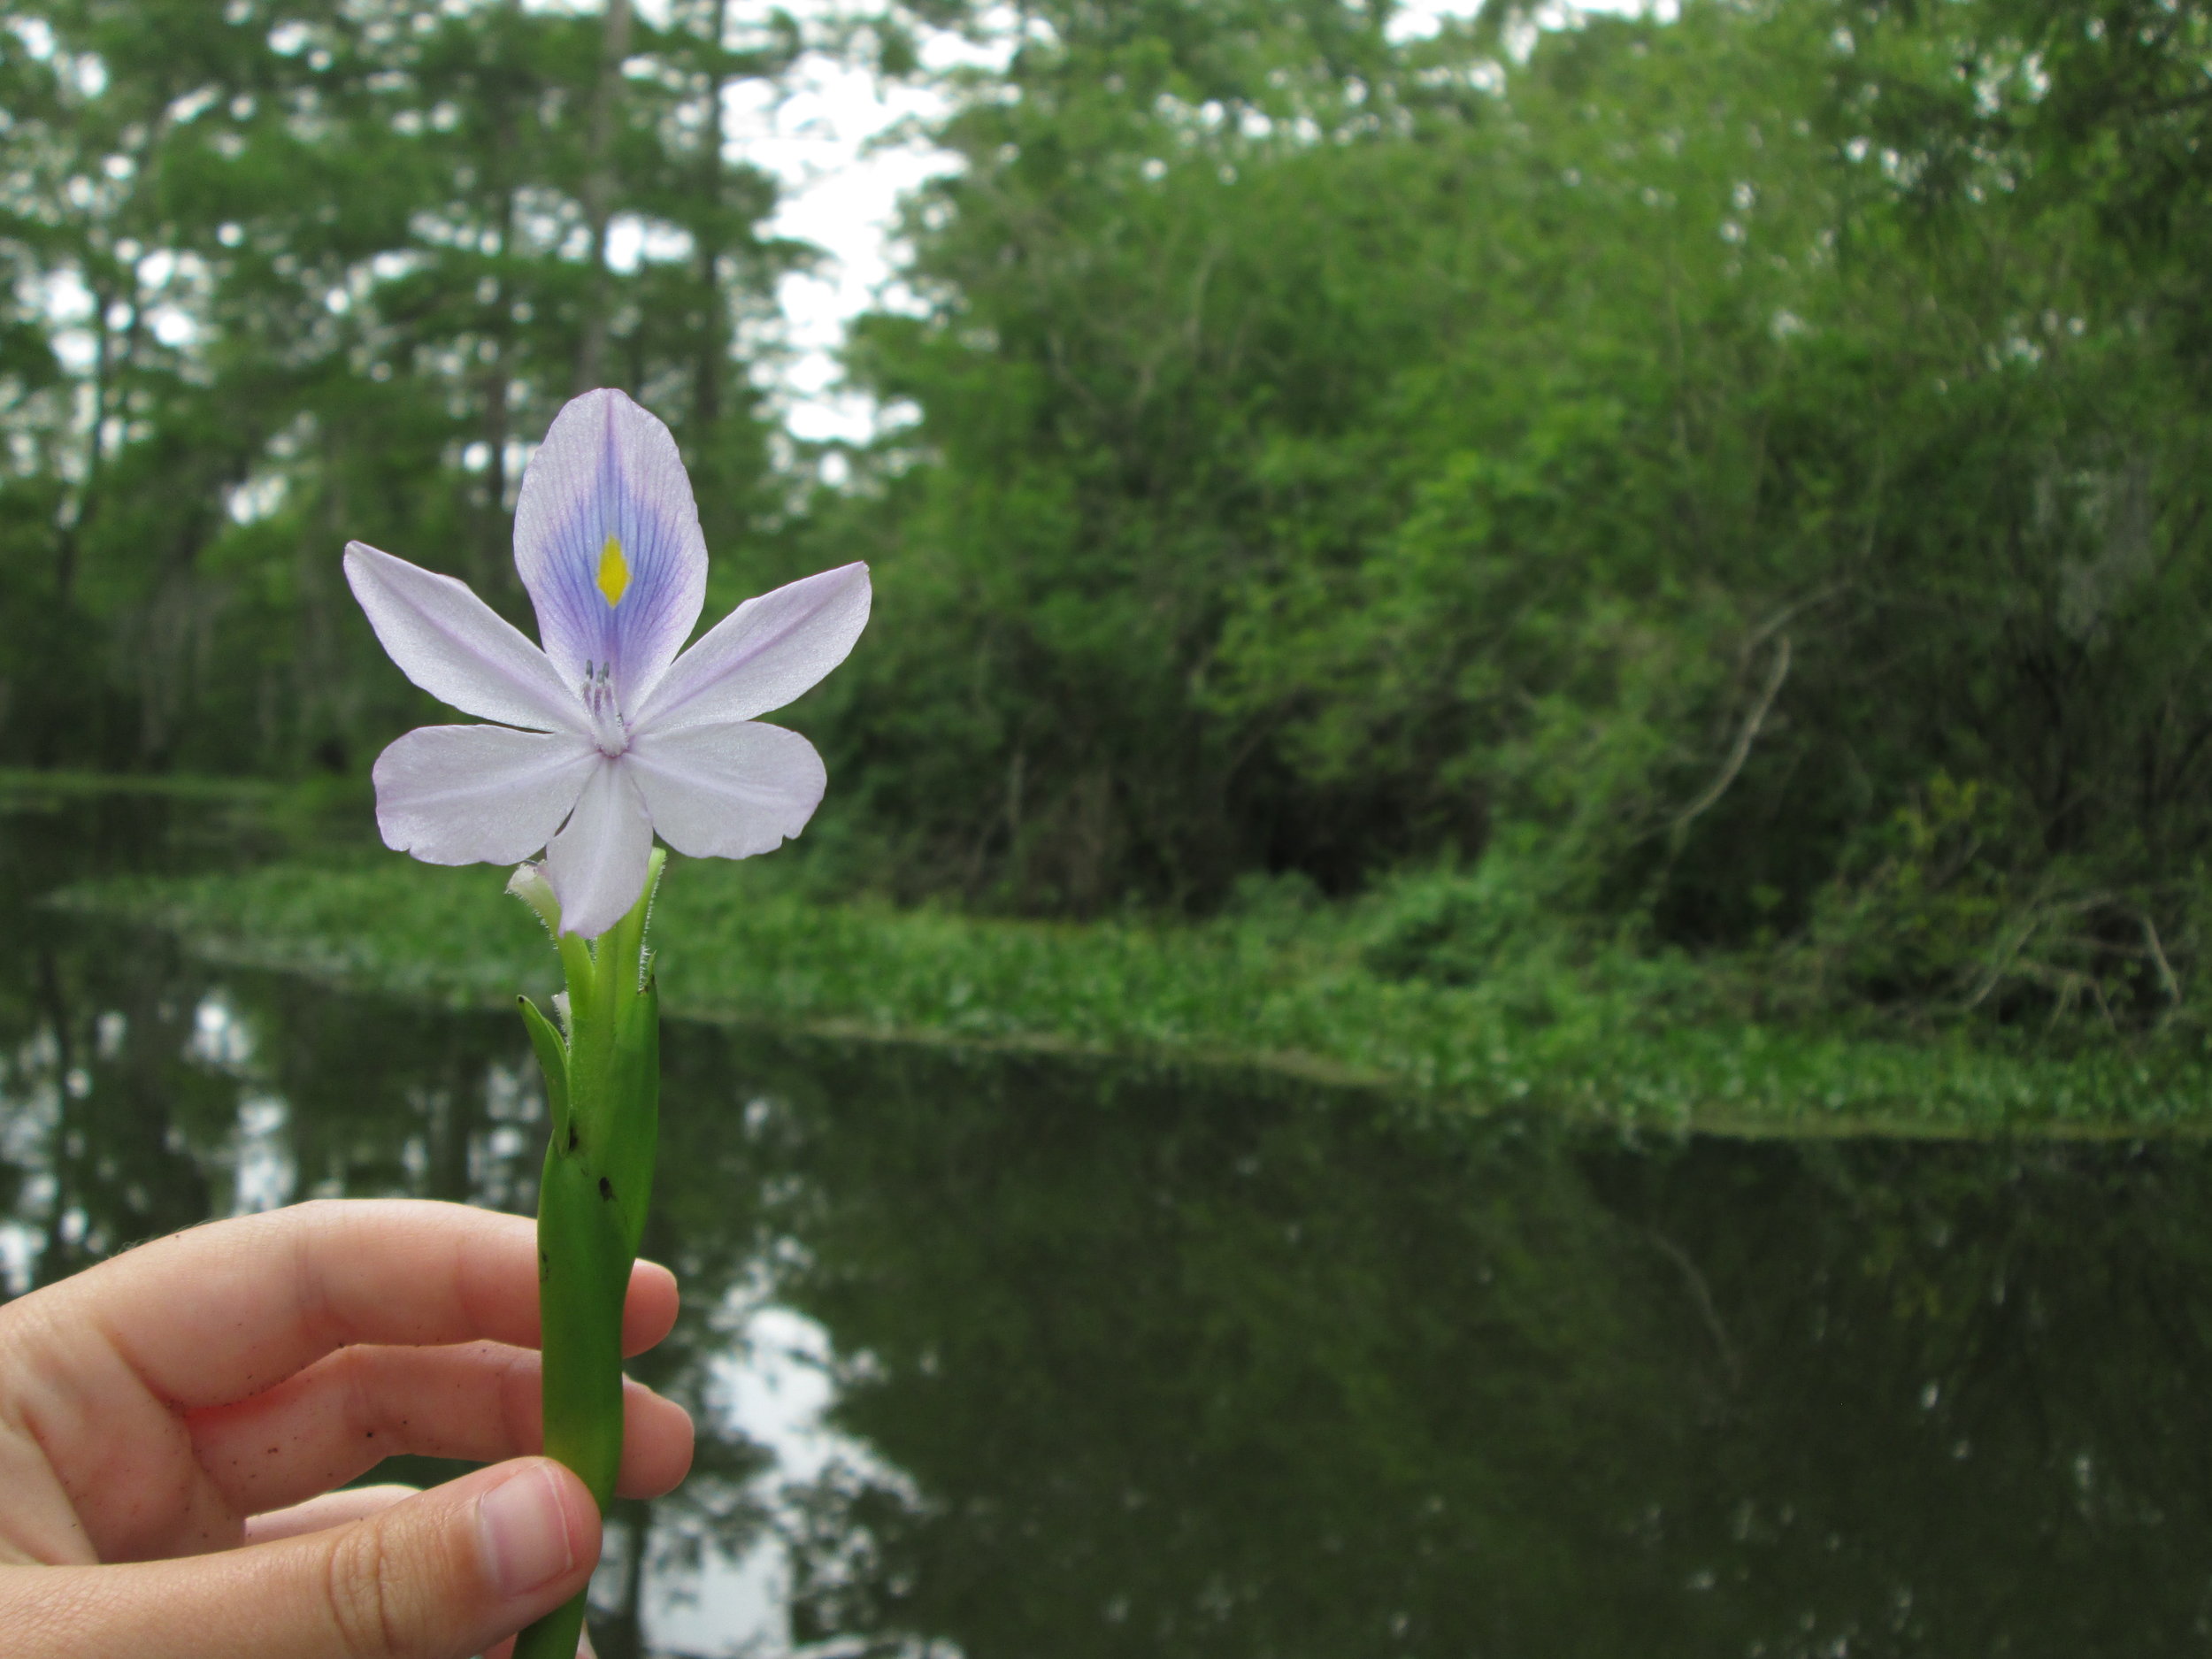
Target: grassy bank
point(1284, 989)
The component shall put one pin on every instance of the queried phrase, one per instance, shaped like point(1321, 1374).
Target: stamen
point(610, 729)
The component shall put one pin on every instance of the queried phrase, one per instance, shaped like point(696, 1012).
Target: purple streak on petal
point(764, 654)
point(609, 468)
point(465, 795)
point(597, 863)
point(458, 649)
point(727, 791)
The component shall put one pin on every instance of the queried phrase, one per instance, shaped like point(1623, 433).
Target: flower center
point(608, 727)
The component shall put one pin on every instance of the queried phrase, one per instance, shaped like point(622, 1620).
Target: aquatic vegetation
point(1620, 1040)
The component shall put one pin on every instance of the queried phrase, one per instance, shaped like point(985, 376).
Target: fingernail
point(525, 1532)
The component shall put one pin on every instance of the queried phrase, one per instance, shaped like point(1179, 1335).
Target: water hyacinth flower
point(608, 734)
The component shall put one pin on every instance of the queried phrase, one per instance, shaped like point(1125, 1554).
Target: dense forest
point(1732, 484)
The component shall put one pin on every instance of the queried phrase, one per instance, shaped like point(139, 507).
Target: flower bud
point(529, 884)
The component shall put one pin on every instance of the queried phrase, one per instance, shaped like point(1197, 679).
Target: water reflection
point(1006, 1357)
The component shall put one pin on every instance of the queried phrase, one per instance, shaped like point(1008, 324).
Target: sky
point(839, 139)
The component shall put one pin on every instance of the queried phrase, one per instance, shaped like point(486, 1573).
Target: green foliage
point(1668, 452)
point(1912, 923)
point(1453, 929)
point(1937, 911)
point(284, 272)
point(1650, 457)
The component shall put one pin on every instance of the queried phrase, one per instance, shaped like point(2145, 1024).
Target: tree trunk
point(599, 190)
point(712, 361)
point(66, 551)
point(494, 571)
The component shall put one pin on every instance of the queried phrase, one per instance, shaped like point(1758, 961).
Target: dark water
point(1009, 1358)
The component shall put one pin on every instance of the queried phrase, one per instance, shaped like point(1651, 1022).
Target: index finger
point(221, 1312)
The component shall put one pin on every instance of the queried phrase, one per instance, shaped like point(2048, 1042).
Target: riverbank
point(1290, 991)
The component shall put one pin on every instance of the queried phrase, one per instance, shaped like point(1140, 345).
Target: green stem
point(602, 1085)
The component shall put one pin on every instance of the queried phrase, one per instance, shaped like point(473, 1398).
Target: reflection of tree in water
point(99, 1102)
point(1972, 1416)
point(1163, 1367)
point(1172, 1364)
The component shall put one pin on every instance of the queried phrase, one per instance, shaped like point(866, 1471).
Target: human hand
point(171, 1419)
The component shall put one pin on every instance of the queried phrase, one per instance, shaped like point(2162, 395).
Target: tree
point(332, 268)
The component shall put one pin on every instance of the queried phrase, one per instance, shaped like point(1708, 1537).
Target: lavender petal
point(465, 794)
point(456, 647)
point(597, 863)
point(762, 654)
point(608, 471)
point(727, 791)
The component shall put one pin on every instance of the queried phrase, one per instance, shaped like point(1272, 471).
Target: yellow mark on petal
point(614, 572)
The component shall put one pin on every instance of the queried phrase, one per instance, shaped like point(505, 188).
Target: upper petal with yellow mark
point(607, 542)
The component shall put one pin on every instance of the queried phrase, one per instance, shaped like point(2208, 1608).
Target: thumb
point(442, 1575)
